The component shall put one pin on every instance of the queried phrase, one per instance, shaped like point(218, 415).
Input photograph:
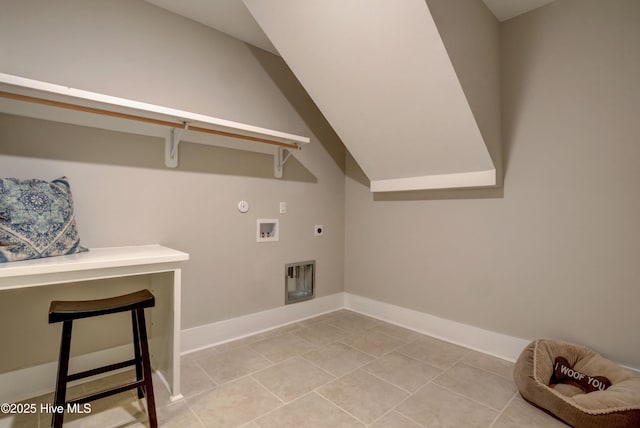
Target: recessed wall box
point(299, 281)
point(268, 230)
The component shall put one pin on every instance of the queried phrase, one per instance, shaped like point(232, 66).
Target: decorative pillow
point(564, 373)
point(36, 219)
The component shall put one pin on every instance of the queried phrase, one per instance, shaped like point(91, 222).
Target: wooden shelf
point(42, 100)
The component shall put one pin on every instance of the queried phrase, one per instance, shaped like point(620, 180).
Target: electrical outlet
point(318, 230)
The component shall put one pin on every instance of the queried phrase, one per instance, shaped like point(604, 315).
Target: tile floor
point(340, 369)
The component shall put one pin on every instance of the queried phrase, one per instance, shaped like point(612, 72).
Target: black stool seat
point(61, 310)
point(68, 311)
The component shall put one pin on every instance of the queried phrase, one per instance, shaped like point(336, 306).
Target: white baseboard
point(206, 336)
point(489, 342)
point(486, 341)
point(34, 381)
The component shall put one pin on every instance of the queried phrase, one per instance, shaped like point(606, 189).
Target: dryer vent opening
point(299, 281)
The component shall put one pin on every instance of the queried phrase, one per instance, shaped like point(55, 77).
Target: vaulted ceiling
point(233, 18)
point(380, 72)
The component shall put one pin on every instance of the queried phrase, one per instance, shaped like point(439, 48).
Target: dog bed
point(556, 376)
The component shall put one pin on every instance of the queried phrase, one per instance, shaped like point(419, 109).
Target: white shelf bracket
point(279, 160)
point(172, 141)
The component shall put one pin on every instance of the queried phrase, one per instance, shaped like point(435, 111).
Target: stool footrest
point(106, 393)
point(99, 370)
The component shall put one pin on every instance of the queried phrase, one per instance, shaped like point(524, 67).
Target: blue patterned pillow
point(36, 219)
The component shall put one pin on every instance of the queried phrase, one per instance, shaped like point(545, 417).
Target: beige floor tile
point(247, 341)
point(202, 354)
point(402, 371)
point(319, 318)
point(435, 352)
point(289, 328)
point(352, 322)
point(309, 411)
point(228, 346)
point(398, 332)
point(193, 379)
point(320, 334)
point(477, 384)
point(286, 377)
point(373, 343)
point(134, 424)
point(45, 418)
point(521, 414)
point(233, 364)
point(282, 346)
point(292, 378)
point(338, 358)
point(259, 337)
point(15, 420)
point(434, 406)
point(118, 410)
point(395, 420)
point(491, 364)
point(177, 415)
point(20, 420)
point(363, 395)
point(233, 403)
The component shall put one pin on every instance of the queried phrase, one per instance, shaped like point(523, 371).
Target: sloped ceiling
point(379, 72)
point(228, 16)
point(233, 18)
point(507, 9)
point(381, 75)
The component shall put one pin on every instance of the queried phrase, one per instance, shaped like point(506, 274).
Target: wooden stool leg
point(63, 371)
point(146, 367)
point(136, 350)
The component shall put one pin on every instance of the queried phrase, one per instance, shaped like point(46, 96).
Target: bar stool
point(68, 311)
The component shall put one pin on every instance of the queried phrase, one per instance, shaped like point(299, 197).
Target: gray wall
point(123, 193)
point(552, 254)
point(557, 255)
